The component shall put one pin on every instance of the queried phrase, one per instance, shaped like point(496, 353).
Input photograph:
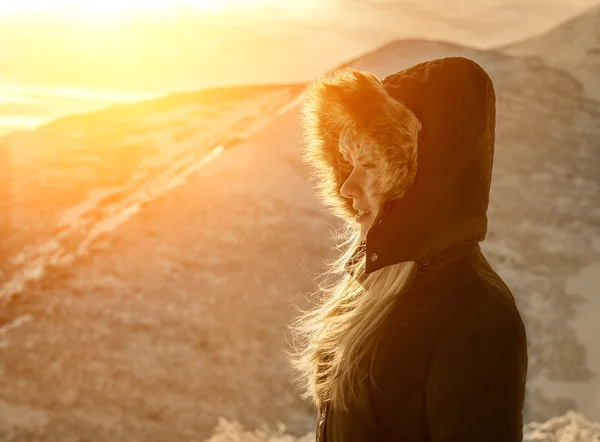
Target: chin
point(364, 228)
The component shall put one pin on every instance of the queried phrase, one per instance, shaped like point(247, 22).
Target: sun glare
point(114, 7)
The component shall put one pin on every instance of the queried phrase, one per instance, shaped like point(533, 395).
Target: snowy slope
point(71, 182)
point(573, 46)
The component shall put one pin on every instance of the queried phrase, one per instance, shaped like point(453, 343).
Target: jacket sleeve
point(476, 384)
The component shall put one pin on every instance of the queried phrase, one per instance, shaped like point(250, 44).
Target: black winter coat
point(452, 363)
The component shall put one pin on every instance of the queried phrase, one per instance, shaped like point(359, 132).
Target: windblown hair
point(338, 337)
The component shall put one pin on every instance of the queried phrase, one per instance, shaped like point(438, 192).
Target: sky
point(113, 6)
point(67, 56)
point(114, 9)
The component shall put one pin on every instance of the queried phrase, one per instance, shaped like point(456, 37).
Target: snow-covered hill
point(151, 273)
point(71, 182)
point(573, 46)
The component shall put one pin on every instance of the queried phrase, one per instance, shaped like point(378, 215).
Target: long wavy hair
point(335, 342)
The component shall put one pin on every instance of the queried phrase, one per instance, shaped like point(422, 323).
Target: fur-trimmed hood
point(444, 191)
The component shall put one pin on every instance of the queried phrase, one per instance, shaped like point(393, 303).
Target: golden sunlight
point(119, 7)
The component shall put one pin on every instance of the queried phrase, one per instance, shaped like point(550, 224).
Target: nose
point(351, 187)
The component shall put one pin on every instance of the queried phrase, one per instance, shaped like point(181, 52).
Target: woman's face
point(360, 184)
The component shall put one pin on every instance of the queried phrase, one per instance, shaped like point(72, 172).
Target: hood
point(446, 202)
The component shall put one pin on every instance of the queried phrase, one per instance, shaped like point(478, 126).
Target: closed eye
point(344, 162)
point(368, 165)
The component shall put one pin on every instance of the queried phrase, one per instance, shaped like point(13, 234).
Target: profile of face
point(359, 162)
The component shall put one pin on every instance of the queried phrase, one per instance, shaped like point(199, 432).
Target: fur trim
point(356, 105)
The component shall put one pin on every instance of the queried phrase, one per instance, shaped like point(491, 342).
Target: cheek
point(376, 188)
point(372, 187)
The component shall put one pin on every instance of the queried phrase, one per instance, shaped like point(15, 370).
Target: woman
point(418, 338)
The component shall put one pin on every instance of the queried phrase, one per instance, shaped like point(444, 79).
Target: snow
point(14, 324)
point(17, 417)
point(572, 45)
point(570, 427)
point(587, 327)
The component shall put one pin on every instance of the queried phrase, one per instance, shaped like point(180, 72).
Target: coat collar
point(442, 260)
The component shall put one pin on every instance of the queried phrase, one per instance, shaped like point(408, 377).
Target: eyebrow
point(342, 149)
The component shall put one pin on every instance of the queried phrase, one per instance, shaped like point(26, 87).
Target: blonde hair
point(336, 341)
point(338, 337)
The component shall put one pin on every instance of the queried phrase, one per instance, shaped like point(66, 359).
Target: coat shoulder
point(492, 296)
point(493, 312)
